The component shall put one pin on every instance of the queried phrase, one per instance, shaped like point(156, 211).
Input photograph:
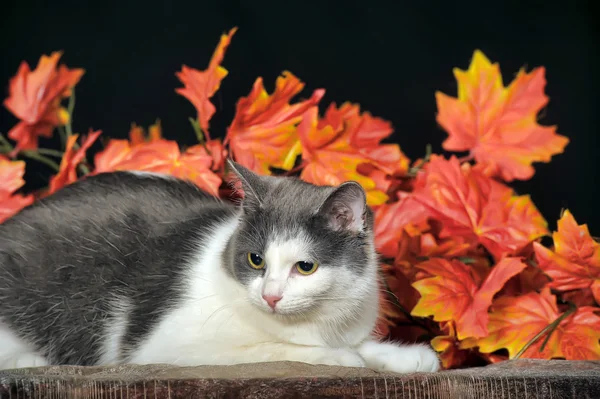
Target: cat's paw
point(22, 360)
point(338, 357)
point(386, 356)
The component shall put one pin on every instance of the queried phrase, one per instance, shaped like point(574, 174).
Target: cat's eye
point(306, 267)
point(255, 260)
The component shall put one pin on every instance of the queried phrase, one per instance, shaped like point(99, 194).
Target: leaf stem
point(48, 151)
point(415, 169)
point(40, 158)
point(5, 143)
point(198, 130)
point(548, 329)
point(70, 109)
point(63, 136)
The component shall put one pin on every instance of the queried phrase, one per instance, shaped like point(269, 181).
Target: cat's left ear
point(252, 184)
point(345, 208)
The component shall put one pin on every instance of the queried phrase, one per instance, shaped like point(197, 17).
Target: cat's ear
point(345, 208)
point(252, 184)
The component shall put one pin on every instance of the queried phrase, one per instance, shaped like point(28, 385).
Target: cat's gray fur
point(67, 258)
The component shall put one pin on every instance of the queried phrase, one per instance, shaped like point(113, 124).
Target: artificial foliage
point(462, 260)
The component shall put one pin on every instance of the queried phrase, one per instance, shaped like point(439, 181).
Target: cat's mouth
point(300, 309)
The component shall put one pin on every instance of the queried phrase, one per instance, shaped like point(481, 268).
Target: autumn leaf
point(498, 125)
point(335, 146)
point(163, 157)
point(263, 132)
point(12, 173)
point(575, 262)
point(451, 351)
point(35, 97)
point(391, 220)
point(138, 136)
point(200, 86)
point(452, 294)
point(515, 320)
point(474, 206)
point(72, 157)
point(11, 179)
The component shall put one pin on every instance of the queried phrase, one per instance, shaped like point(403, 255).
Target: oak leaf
point(263, 132)
point(514, 321)
point(72, 157)
point(11, 179)
point(35, 97)
point(200, 86)
point(477, 207)
point(574, 264)
point(498, 125)
point(452, 293)
point(335, 146)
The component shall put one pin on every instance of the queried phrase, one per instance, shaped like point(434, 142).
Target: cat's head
point(304, 251)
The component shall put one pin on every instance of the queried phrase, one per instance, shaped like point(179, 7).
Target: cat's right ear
point(252, 184)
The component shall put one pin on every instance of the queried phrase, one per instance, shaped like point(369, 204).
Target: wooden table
point(512, 379)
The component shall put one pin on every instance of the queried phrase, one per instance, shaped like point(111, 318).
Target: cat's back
point(107, 197)
point(107, 241)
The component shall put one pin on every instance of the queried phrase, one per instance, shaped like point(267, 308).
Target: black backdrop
point(390, 56)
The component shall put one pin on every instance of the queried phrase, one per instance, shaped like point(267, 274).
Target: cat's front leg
point(389, 356)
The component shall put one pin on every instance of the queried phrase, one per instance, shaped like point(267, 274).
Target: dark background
point(389, 56)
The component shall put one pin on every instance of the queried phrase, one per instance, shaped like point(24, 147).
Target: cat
point(133, 267)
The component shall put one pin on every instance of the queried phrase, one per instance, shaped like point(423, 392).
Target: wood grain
point(513, 379)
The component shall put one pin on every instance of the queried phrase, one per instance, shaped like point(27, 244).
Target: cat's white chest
point(215, 319)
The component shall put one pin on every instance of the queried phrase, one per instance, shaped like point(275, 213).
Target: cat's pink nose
point(272, 300)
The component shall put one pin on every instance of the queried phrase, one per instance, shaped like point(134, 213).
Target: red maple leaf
point(575, 262)
point(474, 206)
point(11, 179)
point(264, 130)
point(71, 160)
point(200, 86)
point(337, 145)
point(514, 321)
point(499, 125)
point(391, 220)
point(35, 98)
point(453, 294)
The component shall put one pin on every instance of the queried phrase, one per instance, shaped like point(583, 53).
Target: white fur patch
point(115, 327)
point(16, 353)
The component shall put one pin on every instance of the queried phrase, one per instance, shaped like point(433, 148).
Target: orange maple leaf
point(474, 206)
point(137, 135)
point(264, 130)
point(452, 293)
point(335, 146)
point(498, 125)
point(200, 86)
point(35, 98)
point(161, 156)
point(11, 179)
point(72, 157)
point(451, 351)
point(514, 321)
point(575, 262)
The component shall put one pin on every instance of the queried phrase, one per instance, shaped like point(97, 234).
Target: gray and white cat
point(137, 268)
